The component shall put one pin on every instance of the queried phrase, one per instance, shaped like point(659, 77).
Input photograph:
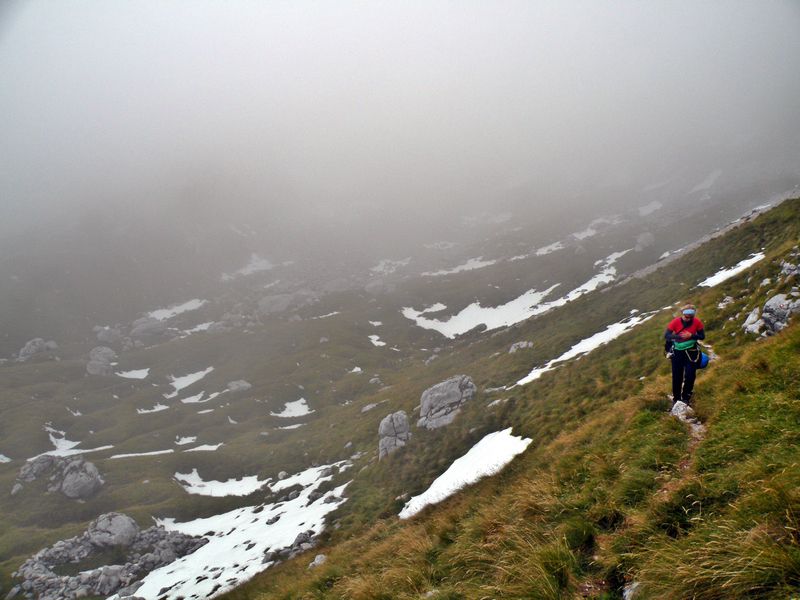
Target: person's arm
point(699, 335)
point(669, 337)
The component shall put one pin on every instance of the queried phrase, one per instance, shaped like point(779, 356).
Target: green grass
point(584, 504)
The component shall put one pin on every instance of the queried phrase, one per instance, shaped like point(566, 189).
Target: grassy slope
point(611, 489)
point(37, 392)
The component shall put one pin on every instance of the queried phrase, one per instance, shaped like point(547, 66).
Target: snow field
point(485, 458)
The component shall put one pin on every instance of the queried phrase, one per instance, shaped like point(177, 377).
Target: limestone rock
point(319, 559)
point(517, 346)
point(81, 480)
point(777, 311)
point(100, 359)
point(240, 385)
point(74, 477)
point(393, 433)
point(753, 323)
point(440, 403)
point(35, 346)
point(113, 529)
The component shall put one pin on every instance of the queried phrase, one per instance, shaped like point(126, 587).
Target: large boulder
point(240, 385)
point(74, 477)
point(149, 329)
point(393, 433)
point(112, 529)
point(81, 480)
point(100, 359)
point(777, 311)
point(35, 346)
point(753, 323)
point(441, 403)
point(111, 336)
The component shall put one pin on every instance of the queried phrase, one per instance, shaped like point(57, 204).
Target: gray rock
point(109, 335)
point(113, 529)
point(74, 477)
point(149, 329)
point(240, 385)
point(393, 433)
point(100, 359)
point(440, 403)
point(517, 346)
point(319, 560)
point(777, 311)
point(81, 480)
point(631, 591)
point(753, 323)
point(35, 346)
point(16, 489)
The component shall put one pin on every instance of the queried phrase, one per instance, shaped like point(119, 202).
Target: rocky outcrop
point(34, 347)
point(517, 346)
point(775, 315)
point(150, 330)
point(240, 385)
point(100, 359)
point(75, 477)
point(440, 403)
point(304, 542)
point(111, 336)
point(393, 433)
point(144, 551)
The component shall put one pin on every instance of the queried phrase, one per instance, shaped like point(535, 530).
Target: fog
point(384, 117)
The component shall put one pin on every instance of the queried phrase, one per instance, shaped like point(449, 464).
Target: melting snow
point(138, 454)
point(356, 370)
point(376, 340)
point(295, 426)
point(157, 408)
point(725, 274)
point(519, 309)
point(585, 346)
point(205, 448)
point(74, 413)
point(194, 484)
point(330, 314)
point(238, 540)
point(162, 314)
point(298, 408)
point(65, 447)
point(182, 441)
point(198, 328)
point(178, 383)
point(135, 374)
point(485, 458)
point(4, 459)
point(256, 265)
point(549, 249)
point(205, 412)
point(470, 265)
point(376, 323)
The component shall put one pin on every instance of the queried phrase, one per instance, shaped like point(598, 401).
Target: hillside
point(613, 491)
point(609, 485)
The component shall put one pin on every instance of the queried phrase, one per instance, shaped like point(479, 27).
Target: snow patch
point(205, 447)
point(157, 408)
point(139, 454)
point(63, 446)
point(376, 341)
point(488, 457)
point(162, 314)
point(298, 408)
point(471, 265)
point(387, 267)
point(178, 383)
point(135, 374)
point(4, 459)
point(194, 484)
point(585, 346)
point(725, 274)
point(549, 249)
point(182, 441)
point(239, 539)
point(257, 264)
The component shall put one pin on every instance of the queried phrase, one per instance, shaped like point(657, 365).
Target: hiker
point(681, 347)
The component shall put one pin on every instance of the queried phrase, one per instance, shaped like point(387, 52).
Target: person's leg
point(690, 372)
point(677, 374)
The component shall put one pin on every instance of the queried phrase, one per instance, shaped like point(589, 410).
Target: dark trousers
point(683, 374)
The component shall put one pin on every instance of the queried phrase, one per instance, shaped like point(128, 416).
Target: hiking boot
point(687, 399)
